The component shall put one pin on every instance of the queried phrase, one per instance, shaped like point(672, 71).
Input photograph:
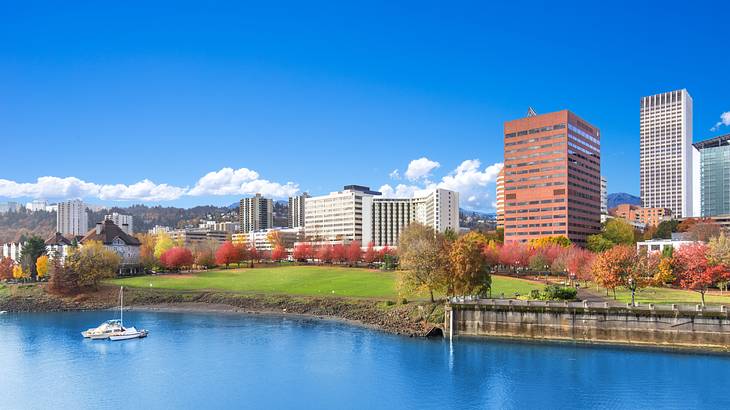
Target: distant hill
point(619, 198)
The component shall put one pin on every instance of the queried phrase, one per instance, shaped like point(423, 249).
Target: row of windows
point(537, 154)
point(533, 186)
point(544, 201)
point(584, 134)
point(534, 147)
point(534, 210)
point(531, 140)
point(536, 178)
point(536, 130)
point(535, 225)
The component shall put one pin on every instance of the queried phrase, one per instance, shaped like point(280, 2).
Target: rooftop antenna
point(531, 112)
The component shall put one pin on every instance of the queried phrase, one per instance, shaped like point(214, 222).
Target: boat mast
point(121, 306)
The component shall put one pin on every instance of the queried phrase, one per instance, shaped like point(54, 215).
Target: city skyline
point(254, 100)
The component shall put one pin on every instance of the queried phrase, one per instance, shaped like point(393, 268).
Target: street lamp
point(632, 286)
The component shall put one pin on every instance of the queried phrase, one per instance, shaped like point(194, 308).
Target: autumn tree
point(610, 267)
point(694, 271)
point(62, 278)
point(704, 230)
point(302, 252)
point(515, 254)
point(41, 265)
point(163, 242)
point(468, 271)
point(665, 272)
point(578, 263)
point(274, 239)
point(718, 253)
point(204, 254)
point(370, 255)
point(6, 268)
point(278, 253)
point(354, 252)
point(339, 253)
point(616, 231)
point(253, 255)
point(545, 241)
point(147, 250)
point(423, 259)
point(33, 248)
point(19, 273)
point(226, 254)
point(324, 254)
point(93, 262)
point(177, 258)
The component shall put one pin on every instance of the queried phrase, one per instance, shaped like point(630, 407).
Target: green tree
point(468, 270)
point(665, 229)
point(33, 248)
point(619, 231)
point(598, 243)
point(423, 258)
point(93, 262)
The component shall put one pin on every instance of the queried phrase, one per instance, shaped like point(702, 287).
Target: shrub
point(557, 292)
point(535, 294)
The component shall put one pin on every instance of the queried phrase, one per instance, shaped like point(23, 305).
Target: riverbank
point(410, 319)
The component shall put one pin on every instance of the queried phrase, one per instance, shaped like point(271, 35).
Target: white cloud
point(724, 120)
point(72, 187)
point(242, 181)
point(395, 174)
point(474, 184)
point(420, 168)
point(227, 181)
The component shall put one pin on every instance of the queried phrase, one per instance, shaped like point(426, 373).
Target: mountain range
point(619, 198)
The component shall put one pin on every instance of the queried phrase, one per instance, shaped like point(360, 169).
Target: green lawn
point(663, 296)
point(302, 280)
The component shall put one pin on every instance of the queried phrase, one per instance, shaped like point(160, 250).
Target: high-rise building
point(71, 218)
point(10, 206)
point(438, 209)
point(604, 196)
point(256, 213)
point(669, 163)
point(714, 176)
point(36, 205)
point(343, 216)
point(552, 177)
point(500, 199)
point(296, 211)
point(124, 222)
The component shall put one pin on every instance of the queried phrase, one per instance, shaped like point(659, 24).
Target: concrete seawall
point(663, 326)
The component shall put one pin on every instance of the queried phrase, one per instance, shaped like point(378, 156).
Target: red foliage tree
point(339, 253)
point(6, 268)
point(693, 270)
point(515, 255)
point(302, 252)
point(254, 254)
point(176, 258)
point(354, 252)
point(611, 266)
point(385, 251)
point(324, 254)
point(227, 254)
point(578, 263)
point(278, 253)
point(370, 254)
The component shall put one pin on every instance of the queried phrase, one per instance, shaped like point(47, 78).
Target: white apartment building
point(159, 229)
point(500, 199)
point(10, 206)
point(256, 213)
point(36, 205)
point(438, 209)
point(296, 210)
point(72, 218)
point(343, 216)
point(262, 240)
point(669, 163)
point(12, 250)
point(125, 222)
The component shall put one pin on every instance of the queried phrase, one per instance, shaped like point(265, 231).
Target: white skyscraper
point(668, 160)
point(343, 216)
point(123, 221)
point(71, 218)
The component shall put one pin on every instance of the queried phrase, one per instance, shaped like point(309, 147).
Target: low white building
point(261, 240)
point(341, 217)
point(658, 245)
point(159, 229)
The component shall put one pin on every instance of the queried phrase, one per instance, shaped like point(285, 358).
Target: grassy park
point(303, 280)
point(657, 296)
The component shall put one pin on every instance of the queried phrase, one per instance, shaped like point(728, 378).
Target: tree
point(42, 266)
point(370, 255)
point(544, 241)
point(704, 230)
point(147, 250)
point(578, 262)
point(693, 270)
point(274, 238)
point(163, 242)
point(6, 268)
point(665, 272)
point(33, 248)
point(19, 273)
point(253, 254)
point(468, 271)
point(354, 252)
point(302, 252)
point(93, 262)
point(619, 231)
point(515, 255)
point(610, 267)
point(177, 258)
point(324, 253)
point(226, 254)
point(63, 279)
point(665, 229)
point(339, 253)
point(423, 258)
point(278, 253)
point(204, 254)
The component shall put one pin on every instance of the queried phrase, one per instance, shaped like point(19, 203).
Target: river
point(205, 360)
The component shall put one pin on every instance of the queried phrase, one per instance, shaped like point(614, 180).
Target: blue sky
point(130, 102)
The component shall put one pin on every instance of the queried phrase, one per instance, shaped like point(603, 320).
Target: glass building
point(715, 175)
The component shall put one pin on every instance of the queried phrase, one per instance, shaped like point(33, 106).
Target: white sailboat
point(114, 329)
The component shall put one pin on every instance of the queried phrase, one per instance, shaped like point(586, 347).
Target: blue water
point(207, 361)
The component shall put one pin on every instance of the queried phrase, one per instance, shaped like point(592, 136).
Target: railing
point(650, 307)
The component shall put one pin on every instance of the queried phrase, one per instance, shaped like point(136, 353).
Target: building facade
point(36, 205)
point(296, 211)
point(552, 178)
point(340, 217)
point(669, 163)
point(123, 221)
point(191, 237)
point(604, 196)
point(115, 239)
point(437, 209)
point(263, 240)
point(714, 176)
point(500, 199)
point(641, 215)
point(71, 218)
point(10, 206)
point(256, 213)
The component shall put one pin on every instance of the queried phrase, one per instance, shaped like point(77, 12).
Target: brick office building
point(552, 177)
